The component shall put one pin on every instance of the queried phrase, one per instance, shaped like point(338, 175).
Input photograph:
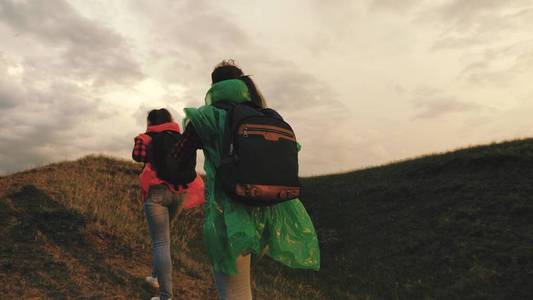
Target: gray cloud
point(192, 37)
point(46, 114)
point(188, 56)
point(212, 31)
point(467, 14)
point(69, 61)
point(473, 23)
point(9, 97)
point(288, 88)
point(443, 106)
point(393, 5)
point(44, 124)
point(433, 104)
point(500, 65)
point(79, 48)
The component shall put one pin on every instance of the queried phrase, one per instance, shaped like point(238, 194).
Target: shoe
point(152, 281)
point(157, 298)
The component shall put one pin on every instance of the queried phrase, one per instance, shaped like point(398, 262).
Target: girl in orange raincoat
point(162, 201)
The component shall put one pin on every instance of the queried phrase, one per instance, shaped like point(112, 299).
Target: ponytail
point(227, 69)
point(255, 94)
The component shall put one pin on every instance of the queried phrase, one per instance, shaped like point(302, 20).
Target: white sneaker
point(157, 298)
point(153, 282)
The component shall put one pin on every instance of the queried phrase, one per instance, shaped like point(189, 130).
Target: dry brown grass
point(76, 230)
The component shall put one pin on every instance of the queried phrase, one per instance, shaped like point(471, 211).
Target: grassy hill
point(452, 226)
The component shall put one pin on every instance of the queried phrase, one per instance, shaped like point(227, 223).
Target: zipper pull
point(245, 132)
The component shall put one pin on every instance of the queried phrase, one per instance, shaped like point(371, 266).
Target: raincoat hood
point(233, 90)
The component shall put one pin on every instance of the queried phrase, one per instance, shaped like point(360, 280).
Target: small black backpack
point(259, 163)
point(165, 165)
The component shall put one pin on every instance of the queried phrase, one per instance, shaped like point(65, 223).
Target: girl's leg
point(158, 223)
point(238, 286)
point(175, 207)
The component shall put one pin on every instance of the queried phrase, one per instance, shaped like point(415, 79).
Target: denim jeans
point(238, 286)
point(161, 207)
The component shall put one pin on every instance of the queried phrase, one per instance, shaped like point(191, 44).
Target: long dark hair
point(159, 116)
point(227, 69)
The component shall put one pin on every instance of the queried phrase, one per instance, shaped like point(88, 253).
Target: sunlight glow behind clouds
point(362, 82)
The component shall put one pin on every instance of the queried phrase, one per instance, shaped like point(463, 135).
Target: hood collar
point(172, 126)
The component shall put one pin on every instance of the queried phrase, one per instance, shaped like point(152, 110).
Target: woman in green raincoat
point(233, 231)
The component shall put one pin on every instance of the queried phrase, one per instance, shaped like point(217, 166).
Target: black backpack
point(259, 163)
point(165, 166)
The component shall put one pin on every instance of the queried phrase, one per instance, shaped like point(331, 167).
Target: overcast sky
point(362, 82)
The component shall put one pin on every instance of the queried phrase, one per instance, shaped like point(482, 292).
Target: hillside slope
point(452, 226)
point(75, 230)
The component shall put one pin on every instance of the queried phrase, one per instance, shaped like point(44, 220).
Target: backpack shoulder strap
point(228, 107)
point(164, 132)
point(171, 133)
point(227, 138)
point(272, 113)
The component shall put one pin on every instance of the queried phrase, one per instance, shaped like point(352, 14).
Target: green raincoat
point(232, 229)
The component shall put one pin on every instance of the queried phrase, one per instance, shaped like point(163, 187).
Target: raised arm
point(187, 145)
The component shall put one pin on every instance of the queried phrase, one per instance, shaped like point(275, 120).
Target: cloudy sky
point(362, 82)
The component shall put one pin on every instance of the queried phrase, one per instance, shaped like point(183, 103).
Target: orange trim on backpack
point(267, 192)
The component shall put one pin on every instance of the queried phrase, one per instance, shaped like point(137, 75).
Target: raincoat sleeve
point(201, 124)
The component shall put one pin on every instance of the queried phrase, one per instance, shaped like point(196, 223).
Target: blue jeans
point(161, 207)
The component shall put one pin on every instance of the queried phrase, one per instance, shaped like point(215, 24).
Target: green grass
point(450, 226)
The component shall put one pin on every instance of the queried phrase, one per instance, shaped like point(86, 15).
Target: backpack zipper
point(286, 134)
point(246, 130)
